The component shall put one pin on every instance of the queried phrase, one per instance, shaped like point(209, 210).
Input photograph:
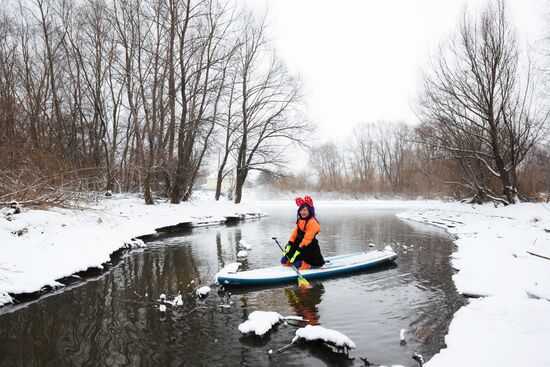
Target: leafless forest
point(130, 95)
point(482, 132)
point(151, 96)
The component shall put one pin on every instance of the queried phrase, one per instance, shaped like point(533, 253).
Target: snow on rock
point(162, 308)
point(260, 322)
point(242, 253)
point(315, 332)
point(419, 358)
point(162, 297)
point(16, 208)
point(203, 291)
point(245, 245)
point(177, 301)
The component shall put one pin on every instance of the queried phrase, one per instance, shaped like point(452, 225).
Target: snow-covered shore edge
point(40, 247)
point(502, 257)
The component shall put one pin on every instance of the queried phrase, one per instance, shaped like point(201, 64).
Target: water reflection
point(304, 301)
point(114, 319)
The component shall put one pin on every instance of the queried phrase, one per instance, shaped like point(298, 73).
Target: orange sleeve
point(312, 228)
point(294, 234)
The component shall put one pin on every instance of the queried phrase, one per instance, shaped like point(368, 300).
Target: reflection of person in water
point(304, 301)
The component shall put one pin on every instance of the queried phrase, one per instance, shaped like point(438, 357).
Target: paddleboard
point(334, 266)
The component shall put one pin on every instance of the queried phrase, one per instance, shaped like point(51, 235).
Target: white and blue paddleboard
point(334, 266)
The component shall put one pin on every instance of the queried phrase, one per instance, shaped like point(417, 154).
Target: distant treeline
point(388, 159)
point(133, 95)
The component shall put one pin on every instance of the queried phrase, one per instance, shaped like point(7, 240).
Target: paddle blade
point(302, 282)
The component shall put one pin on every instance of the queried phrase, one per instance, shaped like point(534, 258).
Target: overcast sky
point(361, 60)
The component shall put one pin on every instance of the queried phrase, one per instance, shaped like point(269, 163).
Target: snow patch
point(316, 332)
point(245, 245)
point(5, 298)
point(203, 291)
point(539, 290)
point(260, 322)
point(134, 243)
point(177, 301)
point(495, 260)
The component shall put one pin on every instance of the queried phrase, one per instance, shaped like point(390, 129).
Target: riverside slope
point(509, 323)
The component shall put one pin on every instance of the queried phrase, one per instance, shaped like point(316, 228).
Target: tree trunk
point(241, 178)
point(147, 189)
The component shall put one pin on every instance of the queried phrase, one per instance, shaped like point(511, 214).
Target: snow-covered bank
point(496, 259)
point(345, 204)
point(38, 247)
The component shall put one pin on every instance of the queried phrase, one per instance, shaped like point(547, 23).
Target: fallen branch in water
point(281, 350)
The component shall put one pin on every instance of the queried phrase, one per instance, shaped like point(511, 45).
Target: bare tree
point(391, 150)
point(269, 99)
point(328, 162)
point(9, 135)
point(228, 130)
point(476, 108)
point(362, 157)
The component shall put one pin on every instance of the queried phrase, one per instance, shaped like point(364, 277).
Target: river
point(113, 318)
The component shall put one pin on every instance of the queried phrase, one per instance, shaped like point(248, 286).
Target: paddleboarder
point(303, 248)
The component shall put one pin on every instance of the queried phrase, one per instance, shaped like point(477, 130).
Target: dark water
point(114, 318)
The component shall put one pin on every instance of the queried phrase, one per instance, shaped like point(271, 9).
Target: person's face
point(304, 212)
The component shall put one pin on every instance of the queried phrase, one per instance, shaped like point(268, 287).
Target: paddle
point(302, 282)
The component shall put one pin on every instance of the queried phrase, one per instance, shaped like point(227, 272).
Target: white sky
point(361, 60)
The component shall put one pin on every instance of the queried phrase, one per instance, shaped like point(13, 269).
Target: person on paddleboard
point(303, 248)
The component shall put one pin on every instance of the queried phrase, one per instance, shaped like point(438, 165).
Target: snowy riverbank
point(39, 247)
point(497, 248)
